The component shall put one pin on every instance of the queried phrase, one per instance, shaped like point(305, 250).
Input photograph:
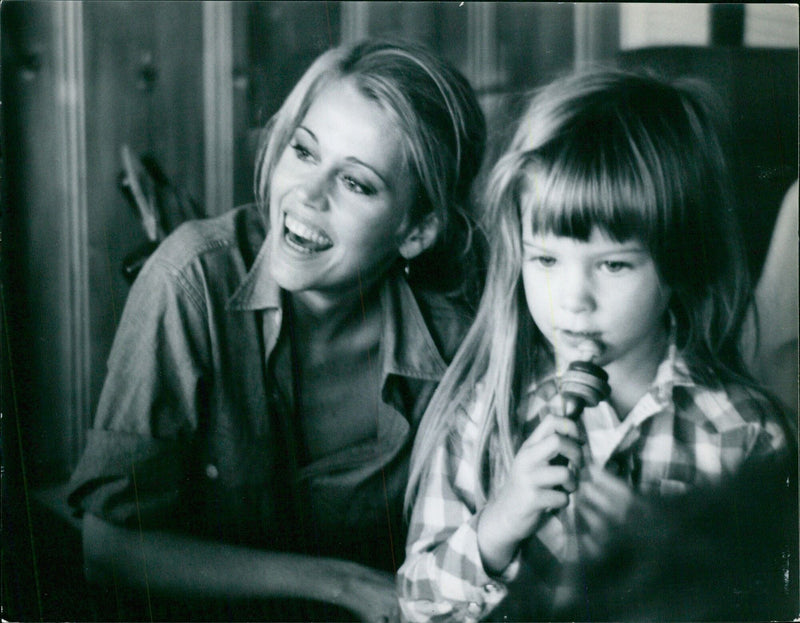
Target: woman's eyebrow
point(355, 160)
point(307, 131)
point(351, 159)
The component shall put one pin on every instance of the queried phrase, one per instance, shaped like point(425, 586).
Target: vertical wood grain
point(218, 105)
point(70, 87)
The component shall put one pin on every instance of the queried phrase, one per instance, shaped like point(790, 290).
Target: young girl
point(612, 239)
point(267, 377)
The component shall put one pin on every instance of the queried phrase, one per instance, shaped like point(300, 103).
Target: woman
point(271, 366)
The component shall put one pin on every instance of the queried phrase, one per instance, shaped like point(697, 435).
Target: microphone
point(584, 383)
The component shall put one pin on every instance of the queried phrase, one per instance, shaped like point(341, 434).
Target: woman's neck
point(321, 326)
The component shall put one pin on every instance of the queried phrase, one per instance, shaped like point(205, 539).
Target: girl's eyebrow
point(638, 249)
point(351, 159)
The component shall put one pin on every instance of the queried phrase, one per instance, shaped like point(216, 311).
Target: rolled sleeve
point(133, 465)
point(128, 479)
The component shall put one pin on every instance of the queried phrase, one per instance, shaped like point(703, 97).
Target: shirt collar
point(672, 372)
point(407, 345)
point(258, 289)
point(406, 342)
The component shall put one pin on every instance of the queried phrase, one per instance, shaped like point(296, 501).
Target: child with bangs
point(613, 242)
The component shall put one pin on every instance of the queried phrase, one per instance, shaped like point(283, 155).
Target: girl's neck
point(630, 378)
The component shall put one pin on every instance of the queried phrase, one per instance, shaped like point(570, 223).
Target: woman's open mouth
point(303, 238)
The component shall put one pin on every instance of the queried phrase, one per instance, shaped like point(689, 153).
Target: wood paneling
point(42, 227)
point(79, 81)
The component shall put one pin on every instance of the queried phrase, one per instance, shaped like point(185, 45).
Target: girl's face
point(600, 290)
point(339, 197)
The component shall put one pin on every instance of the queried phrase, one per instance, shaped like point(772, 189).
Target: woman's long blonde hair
point(640, 158)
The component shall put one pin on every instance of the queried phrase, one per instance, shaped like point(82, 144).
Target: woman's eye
point(353, 185)
point(301, 152)
point(611, 266)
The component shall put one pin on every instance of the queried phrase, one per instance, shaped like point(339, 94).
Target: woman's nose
point(312, 190)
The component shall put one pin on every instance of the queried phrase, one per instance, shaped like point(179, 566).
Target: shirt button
point(212, 473)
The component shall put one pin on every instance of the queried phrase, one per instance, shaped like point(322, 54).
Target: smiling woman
point(252, 438)
point(342, 193)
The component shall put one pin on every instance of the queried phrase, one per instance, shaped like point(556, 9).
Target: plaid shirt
point(678, 436)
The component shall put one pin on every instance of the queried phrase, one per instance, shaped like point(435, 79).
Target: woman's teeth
point(303, 238)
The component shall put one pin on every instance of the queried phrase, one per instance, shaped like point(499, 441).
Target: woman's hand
point(370, 595)
point(533, 486)
point(603, 505)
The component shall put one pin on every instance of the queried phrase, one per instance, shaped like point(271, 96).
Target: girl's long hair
point(640, 158)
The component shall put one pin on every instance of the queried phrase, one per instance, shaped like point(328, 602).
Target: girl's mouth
point(574, 339)
point(304, 238)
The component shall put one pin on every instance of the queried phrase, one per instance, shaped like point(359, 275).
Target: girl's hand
point(370, 595)
point(603, 505)
point(532, 487)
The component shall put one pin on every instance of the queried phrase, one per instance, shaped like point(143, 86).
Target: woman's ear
point(421, 237)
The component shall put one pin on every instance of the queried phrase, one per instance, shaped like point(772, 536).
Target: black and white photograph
point(393, 312)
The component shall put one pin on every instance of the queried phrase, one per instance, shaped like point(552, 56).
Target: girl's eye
point(545, 261)
point(301, 152)
point(612, 266)
point(353, 185)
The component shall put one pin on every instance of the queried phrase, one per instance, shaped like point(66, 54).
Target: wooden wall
point(79, 81)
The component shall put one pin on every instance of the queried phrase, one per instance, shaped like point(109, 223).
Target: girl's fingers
point(590, 547)
point(614, 485)
point(544, 450)
point(550, 499)
point(591, 522)
point(551, 476)
point(553, 424)
point(607, 496)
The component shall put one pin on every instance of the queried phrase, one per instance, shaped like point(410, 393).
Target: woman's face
point(339, 197)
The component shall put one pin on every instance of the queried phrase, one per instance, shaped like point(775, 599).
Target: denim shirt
point(188, 435)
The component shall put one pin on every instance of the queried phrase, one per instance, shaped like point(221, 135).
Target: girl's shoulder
point(731, 408)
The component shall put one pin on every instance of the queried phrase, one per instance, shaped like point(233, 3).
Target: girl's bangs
point(587, 186)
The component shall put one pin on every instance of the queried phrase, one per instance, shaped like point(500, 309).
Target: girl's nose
point(575, 291)
point(313, 191)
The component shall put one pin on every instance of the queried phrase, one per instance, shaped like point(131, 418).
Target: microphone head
point(584, 383)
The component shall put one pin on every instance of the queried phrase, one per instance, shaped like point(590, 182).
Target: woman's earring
point(407, 268)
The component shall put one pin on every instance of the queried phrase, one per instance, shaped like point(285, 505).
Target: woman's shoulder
point(241, 228)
